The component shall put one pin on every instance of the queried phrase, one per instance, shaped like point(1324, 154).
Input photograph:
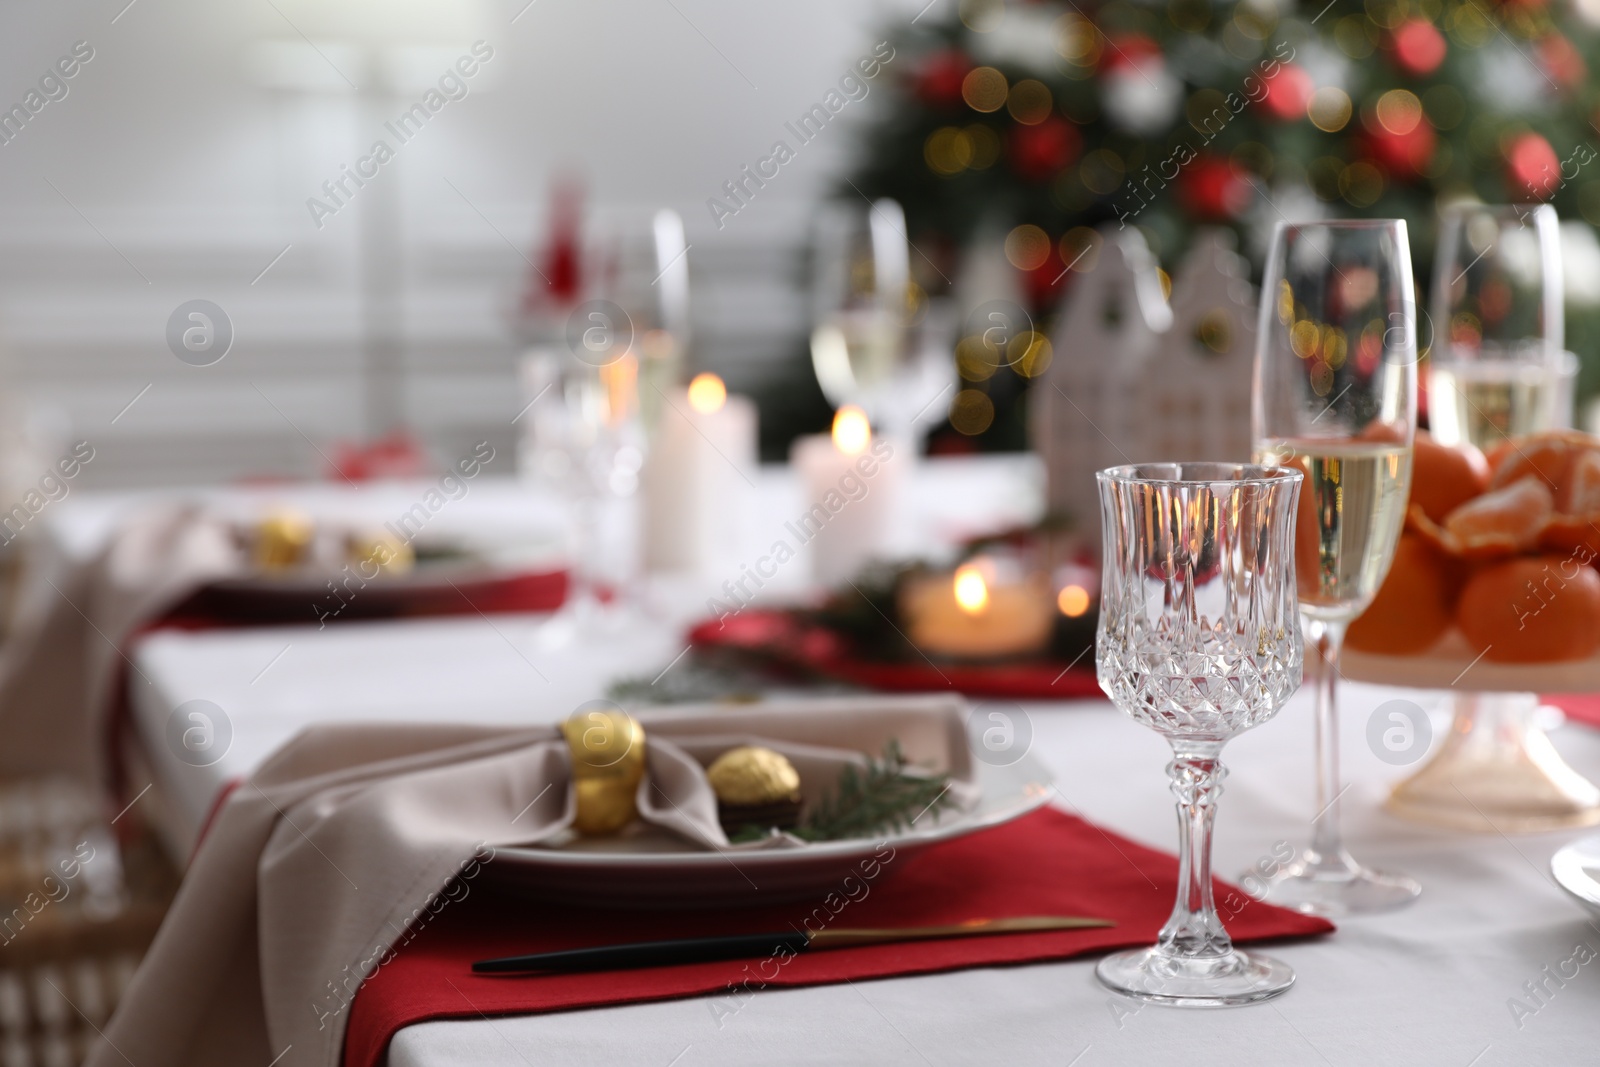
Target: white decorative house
point(1138, 379)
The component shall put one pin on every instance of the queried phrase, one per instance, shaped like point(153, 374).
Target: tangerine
point(1581, 493)
point(1502, 521)
point(1444, 477)
point(1532, 609)
point(1549, 455)
point(1414, 606)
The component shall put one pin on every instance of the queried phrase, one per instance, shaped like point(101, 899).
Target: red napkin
point(1048, 863)
point(787, 639)
point(1580, 707)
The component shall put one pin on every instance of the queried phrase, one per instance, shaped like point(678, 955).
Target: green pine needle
point(884, 799)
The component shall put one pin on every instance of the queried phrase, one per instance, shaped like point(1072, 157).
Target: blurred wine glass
point(648, 278)
point(872, 342)
point(1498, 368)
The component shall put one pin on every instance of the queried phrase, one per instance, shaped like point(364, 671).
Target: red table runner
point(789, 640)
point(1048, 863)
point(1579, 707)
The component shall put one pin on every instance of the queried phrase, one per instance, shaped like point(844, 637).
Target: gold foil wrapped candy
point(382, 549)
point(608, 763)
point(755, 787)
point(283, 539)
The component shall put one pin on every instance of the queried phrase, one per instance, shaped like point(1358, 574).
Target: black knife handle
point(650, 953)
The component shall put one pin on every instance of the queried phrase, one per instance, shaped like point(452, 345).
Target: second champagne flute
point(1335, 396)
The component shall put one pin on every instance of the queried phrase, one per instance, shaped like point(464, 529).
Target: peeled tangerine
point(1443, 478)
point(1533, 609)
point(1503, 521)
point(1415, 605)
point(1548, 456)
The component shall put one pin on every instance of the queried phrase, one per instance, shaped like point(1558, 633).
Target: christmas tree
point(1047, 119)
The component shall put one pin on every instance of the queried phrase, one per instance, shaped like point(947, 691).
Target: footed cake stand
point(1496, 770)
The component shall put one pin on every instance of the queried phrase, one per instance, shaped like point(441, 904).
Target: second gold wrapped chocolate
point(755, 787)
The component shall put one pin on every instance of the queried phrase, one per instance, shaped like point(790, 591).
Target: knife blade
point(743, 946)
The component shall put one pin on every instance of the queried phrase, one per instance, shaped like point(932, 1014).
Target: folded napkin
point(316, 865)
point(59, 667)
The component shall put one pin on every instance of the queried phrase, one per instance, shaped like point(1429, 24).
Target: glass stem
point(1194, 931)
point(1326, 842)
point(584, 582)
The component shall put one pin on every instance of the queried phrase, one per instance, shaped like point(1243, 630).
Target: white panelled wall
point(168, 172)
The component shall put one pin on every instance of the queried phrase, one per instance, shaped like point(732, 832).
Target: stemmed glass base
point(1226, 980)
point(1337, 885)
point(1497, 772)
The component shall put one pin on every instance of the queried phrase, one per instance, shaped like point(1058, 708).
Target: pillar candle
point(701, 465)
point(851, 479)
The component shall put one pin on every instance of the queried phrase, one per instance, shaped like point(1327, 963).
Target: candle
point(701, 463)
point(980, 612)
point(851, 479)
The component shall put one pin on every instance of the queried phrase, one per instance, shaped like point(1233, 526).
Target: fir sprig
point(883, 799)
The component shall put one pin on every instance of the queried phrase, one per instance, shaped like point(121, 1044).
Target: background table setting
point(753, 627)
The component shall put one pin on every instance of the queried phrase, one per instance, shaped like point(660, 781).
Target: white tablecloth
point(1430, 985)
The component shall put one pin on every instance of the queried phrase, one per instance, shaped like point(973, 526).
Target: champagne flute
point(1335, 396)
point(1197, 640)
point(861, 268)
point(1497, 360)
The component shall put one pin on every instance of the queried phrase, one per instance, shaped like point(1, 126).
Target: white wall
point(179, 176)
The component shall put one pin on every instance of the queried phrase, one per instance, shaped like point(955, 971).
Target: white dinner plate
point(1577, 870)
point(654, 869)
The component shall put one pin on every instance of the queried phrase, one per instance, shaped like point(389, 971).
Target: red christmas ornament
point(1403, 155)
point(1126, 51)
point(939, 80)
point(1038, 152)
point(1212, 188)
point(1532, 166)
point(1289, 90)
point(1562, 61)
point(1419, 47)
point(1045, 283)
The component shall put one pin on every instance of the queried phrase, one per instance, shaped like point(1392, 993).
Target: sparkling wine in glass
point(1497, 367)
point(1199, 640)
point(1335, 398)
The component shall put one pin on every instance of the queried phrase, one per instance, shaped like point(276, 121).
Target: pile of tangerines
point(1504, 548)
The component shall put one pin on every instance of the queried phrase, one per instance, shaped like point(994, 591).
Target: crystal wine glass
point(1198, 640)
point(1497, 359)
point(1335, 396)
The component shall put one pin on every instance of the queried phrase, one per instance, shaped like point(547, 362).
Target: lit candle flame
point(972, 592)
point(707, 394)
point(1073, 600)
point(851, 430)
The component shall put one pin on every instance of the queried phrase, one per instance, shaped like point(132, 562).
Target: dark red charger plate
point(791, 640)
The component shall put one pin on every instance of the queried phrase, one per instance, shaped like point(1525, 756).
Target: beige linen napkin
point(57, 670)
point(315, 865)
